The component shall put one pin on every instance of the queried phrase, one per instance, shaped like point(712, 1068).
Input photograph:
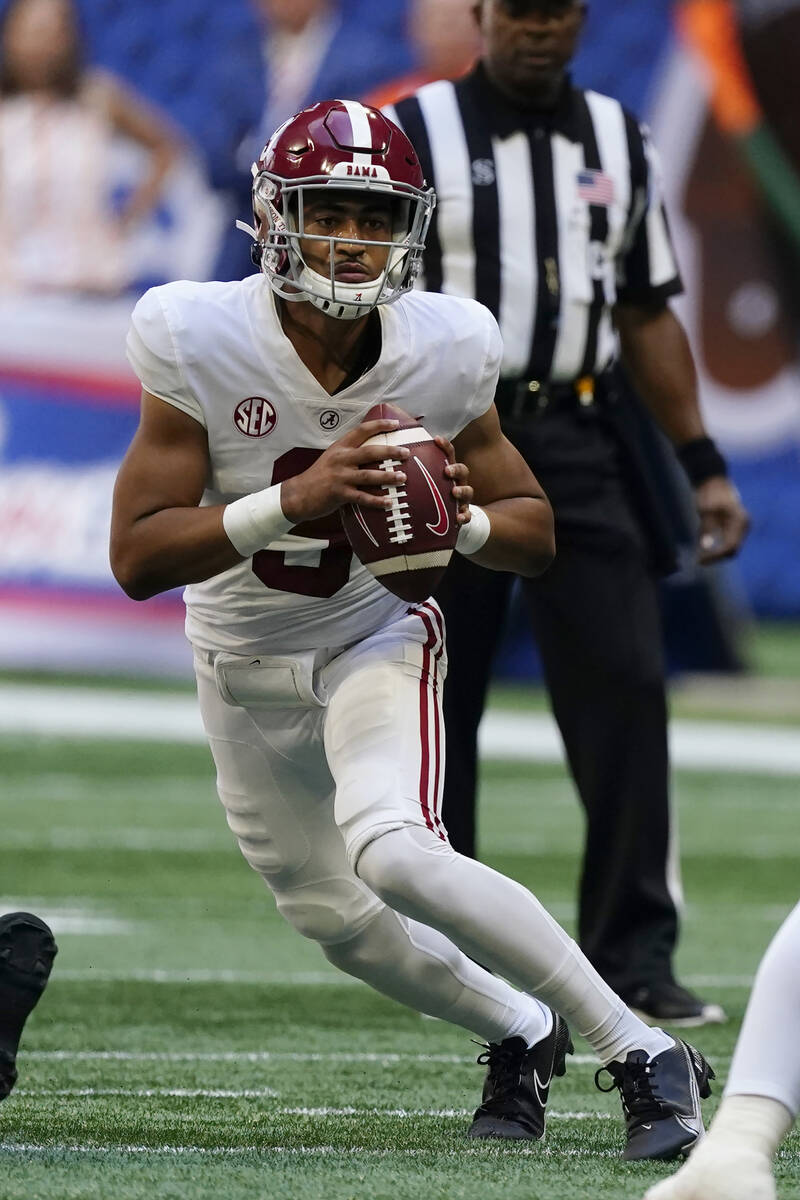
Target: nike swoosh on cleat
point(540, 1086)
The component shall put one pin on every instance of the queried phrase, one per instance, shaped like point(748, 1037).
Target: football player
point(320, 691)
point(762, 1095)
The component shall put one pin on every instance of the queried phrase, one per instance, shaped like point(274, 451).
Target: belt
point(516, 398)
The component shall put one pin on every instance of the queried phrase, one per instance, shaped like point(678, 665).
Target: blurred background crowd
point(126, 137)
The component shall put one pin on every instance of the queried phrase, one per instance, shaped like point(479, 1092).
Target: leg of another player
point(27, 950)
point(762, 1097)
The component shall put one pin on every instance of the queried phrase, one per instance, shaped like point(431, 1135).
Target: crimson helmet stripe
point(362, 132)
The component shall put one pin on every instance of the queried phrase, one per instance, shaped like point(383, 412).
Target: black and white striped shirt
point(548, 219)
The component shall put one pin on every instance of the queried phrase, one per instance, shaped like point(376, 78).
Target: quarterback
point(320, 690)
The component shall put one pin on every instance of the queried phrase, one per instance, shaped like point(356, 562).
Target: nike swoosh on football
point(359, 516)
point(443, 520)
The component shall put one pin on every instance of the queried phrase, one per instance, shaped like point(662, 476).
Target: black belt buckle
point(519, 398)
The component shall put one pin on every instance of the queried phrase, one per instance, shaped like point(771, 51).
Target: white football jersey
point(218, 352)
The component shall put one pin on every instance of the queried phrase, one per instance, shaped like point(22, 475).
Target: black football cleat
point(669, 1003)
point(27, 950)
point(661, 1100)
point(517, 1084)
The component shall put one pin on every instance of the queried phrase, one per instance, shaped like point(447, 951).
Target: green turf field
point(191, 1046)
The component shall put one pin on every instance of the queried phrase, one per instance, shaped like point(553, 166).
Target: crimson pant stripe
point(441, 759)
point(432, 620)
point(437, 617)
point(438, 792)
point(438, 778)
point(424, 768)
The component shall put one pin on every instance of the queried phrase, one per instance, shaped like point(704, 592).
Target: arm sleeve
point(647, 269)
point(154, 356)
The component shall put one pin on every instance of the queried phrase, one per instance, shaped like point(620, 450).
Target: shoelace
point(505, 1067)
point(636, 1088)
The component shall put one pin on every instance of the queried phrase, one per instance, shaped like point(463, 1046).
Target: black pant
point(596, 620)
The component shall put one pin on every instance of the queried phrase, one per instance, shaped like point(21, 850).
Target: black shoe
point(661, 1100)
point(669, 1003)
point(517, 1084)
point(27, 950)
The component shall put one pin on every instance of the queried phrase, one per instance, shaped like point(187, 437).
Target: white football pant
point(330, 767)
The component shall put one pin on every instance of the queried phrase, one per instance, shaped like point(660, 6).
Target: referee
point(550, 214)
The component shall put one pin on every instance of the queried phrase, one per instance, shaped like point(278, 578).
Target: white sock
point(498, 922)
point(752, 1122)
point(532, 1024)
point(612, 1044)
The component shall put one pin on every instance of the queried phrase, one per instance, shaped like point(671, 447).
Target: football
point(407, 547)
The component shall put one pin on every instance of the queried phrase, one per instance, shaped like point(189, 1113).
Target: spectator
point(446, 39)
point(313, 50)
point(298, 37)
point(58, 117)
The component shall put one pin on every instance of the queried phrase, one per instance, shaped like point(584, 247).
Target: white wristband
point(256, 520)
point(472, 537)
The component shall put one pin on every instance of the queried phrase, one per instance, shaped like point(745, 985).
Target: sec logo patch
point(255, 417)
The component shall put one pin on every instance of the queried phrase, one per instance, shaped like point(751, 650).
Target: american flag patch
point(595, 187)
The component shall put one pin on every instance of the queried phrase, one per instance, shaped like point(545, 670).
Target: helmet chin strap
point(352, 300)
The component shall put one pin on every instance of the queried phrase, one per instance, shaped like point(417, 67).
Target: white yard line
point(194, 841)
point(403, 1114)
point(99, 713)
point(526, 737)
point(291, 978)
point(204, 975)
point(146, 841)
point(258, 1056)
point(694, 745)
point(148, 1093)
point(495, 1150)
point(71, 916)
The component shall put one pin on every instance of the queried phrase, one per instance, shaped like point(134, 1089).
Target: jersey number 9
point(324, 578)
